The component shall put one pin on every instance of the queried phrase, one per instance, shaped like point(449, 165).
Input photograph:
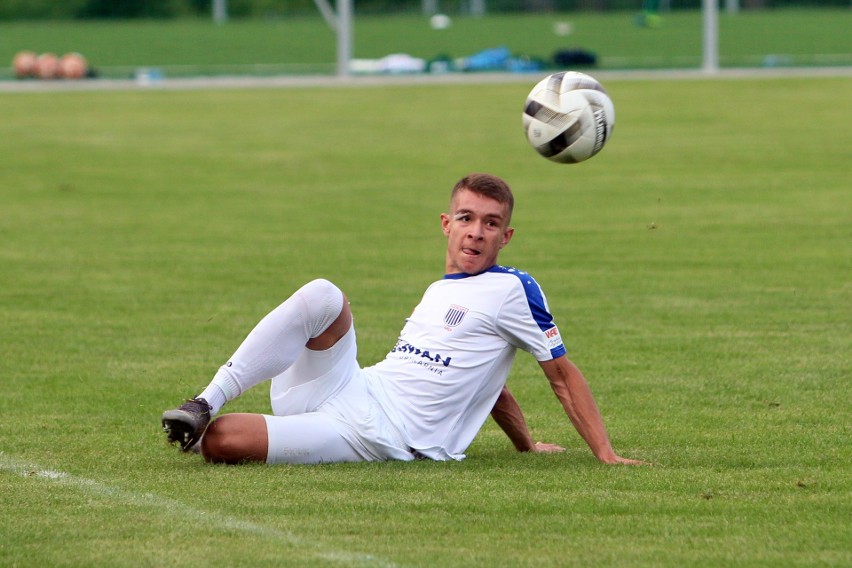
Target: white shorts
point(324, 412)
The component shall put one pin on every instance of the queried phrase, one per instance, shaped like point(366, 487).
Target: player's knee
point(320, 294)
point(235, 438)
point(324, 303)
point(321, 286)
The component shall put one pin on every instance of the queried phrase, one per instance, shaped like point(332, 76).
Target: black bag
point(574, 58)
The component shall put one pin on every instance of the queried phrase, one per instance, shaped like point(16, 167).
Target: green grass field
point(307, 45)
point(699, 268)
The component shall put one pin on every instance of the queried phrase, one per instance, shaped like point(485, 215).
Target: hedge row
point(127, 9)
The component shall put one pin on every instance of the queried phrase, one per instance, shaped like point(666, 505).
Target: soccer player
point(433, 391)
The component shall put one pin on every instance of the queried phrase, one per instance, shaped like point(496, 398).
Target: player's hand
point(544, 448)
point(618, 460)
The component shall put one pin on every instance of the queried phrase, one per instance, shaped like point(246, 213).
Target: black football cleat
point(186, 424)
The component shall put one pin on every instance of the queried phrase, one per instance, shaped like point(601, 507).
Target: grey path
point(295, 81)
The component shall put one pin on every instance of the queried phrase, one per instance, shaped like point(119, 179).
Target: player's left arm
point(576, 398)
point(508, 415)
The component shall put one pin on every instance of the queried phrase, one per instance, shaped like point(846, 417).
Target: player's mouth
point(472, 252)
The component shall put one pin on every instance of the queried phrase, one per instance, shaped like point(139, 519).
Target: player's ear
point(507, 236)
point(445, 224)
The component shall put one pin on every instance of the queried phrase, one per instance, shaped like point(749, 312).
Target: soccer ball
point(24, 64)
point(47, 66)
point(72, 66)
point(568, 117)
point(440, 22)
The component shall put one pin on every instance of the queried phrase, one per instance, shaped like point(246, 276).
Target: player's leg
point(299, 439)
point(324, 412)
point(315, 317)
point(235, 438)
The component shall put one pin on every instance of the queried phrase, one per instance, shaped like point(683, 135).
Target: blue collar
point(461, 275)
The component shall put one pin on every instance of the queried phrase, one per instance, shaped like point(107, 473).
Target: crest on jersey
point(454, 315)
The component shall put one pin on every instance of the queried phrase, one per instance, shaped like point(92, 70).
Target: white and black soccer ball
point(568, 117)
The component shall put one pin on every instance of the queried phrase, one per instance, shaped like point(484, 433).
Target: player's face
point(476, 228)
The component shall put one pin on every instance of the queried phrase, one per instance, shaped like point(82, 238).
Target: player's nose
point(476, 230)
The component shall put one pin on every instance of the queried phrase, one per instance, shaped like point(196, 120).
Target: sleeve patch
point(554, 339)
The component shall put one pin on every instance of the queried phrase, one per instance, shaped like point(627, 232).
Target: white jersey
point(453, 356)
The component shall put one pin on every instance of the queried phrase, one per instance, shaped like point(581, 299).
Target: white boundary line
point(196, 83)
point(94, 488)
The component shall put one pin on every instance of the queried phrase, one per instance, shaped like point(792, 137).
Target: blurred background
point(155, 39)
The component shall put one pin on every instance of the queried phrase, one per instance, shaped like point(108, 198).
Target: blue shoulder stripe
point(535, 297)
point(535, 300)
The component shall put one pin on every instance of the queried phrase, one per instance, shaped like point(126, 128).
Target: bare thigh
point(235, 438)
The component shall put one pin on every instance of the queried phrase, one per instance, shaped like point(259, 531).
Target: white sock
point(215, 397)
